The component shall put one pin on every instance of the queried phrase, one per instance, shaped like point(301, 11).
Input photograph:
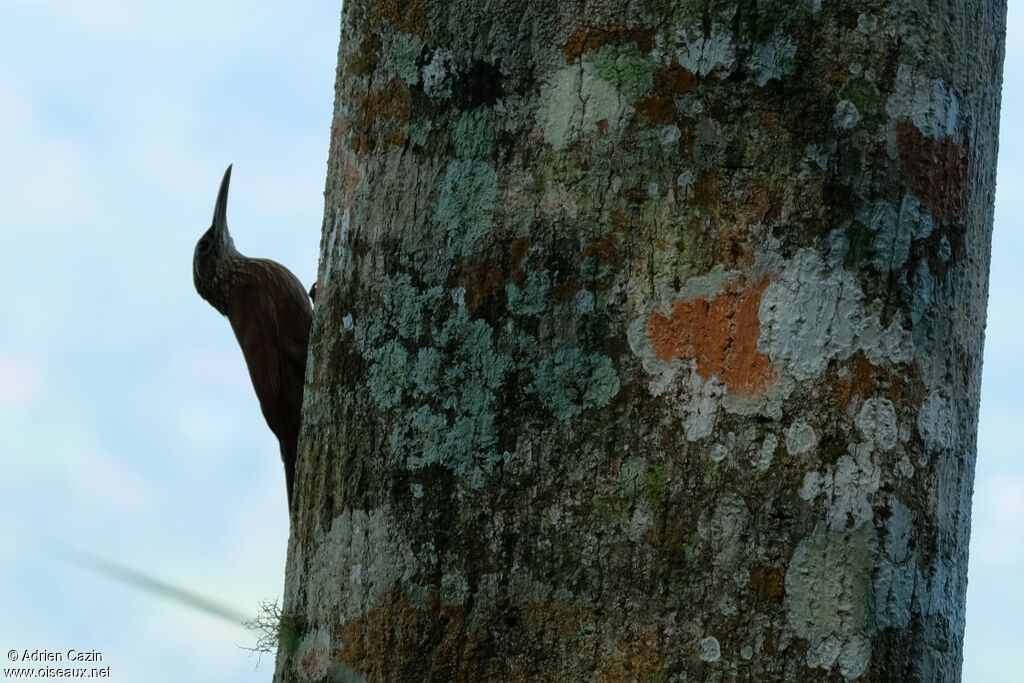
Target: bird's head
point(213, 251)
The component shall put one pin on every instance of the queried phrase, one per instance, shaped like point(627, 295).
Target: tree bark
point(648, 342)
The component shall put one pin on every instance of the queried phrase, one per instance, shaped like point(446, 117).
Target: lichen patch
point(576, 102)
point(591, 38)
point(828, 594)
point(937, 170)
point(846, 488)
point(719, 333)
point(814, 313)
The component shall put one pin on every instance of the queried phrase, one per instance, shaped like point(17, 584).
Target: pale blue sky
point(127, 423)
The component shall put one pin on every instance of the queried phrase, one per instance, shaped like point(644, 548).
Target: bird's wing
point(273, 330)
point(254, 319)
point(297, 319)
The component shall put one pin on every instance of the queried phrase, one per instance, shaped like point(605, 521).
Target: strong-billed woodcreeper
point(271, 316)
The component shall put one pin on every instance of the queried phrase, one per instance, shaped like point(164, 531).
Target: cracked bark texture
point(648, 342)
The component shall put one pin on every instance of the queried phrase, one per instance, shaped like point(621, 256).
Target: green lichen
point(640, 480)
point(465, 203)
point(399, 318)
point(422, 346)
point(626, 68)
point(655, 489)
point(593, 270)
point(632, 474)
point(454, 427)
point(573, 380)
point(454, 588)
point(403, 49)
point(531, 299)
point(388, 374)
point(866, 98)
point(605, 510)
point(340, 673)
point(473, 134)
point(418, 133)
point(426, 369)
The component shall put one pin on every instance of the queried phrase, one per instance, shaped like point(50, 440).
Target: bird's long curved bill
point(220, 210)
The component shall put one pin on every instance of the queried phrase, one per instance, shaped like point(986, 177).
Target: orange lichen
point(642, 658)
point(720, 334)
point(395, 138)
point(381, 111)
point(518, 249)
point(937, 171)
point(442, 642)
point(760, 201)
point(657, 109)
point(858, 378)
point(861, 378)
point(707, 189)
point(603, 248)
point(566, 290)
point(660, 107)
point(517, 252)
point(731, 248)
point(368, 644)
point(481, 280)
point(588, 39)
point(408, 15)
point(365, 58)
point(767, 584)
point(620, 221)
point(346, 165)
point(673, 79)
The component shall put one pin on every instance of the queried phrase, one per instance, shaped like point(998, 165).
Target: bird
point(271, 316)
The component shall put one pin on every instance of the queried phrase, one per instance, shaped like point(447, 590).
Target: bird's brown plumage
point(270, 315)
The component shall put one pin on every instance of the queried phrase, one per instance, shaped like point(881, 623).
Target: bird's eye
point(204, 244)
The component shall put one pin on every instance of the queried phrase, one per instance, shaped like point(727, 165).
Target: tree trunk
point(648, 342)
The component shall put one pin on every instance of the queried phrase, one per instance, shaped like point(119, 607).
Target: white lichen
point(708, 144)
point(828, 596)
point(699, 413)
point(708, 53)
point(846, 115)
point(935, 422)
point(718, 452)
point(876, 422)
point(762, 459)
point(723, 531)
point(895, 230)
point(710, 649)
point(772, 59)
point(313, 654)
point(846, 488)
point(929, 102)
point(813, 313)
point(438, 74)
point(356, 563)
point(800, 438)
point(895, 577)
